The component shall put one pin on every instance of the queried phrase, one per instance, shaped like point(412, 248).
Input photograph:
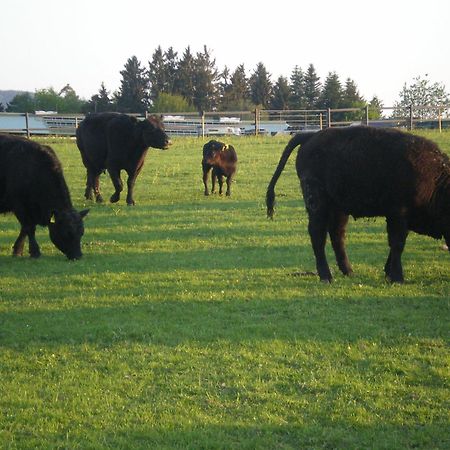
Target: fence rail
point(256, 122)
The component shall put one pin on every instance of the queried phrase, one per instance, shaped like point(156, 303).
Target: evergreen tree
point(331, 96)
point(261, 86)
point(236, 96)
point(133, 92)
point(171, 69)
point(157, 74)
point(184, 81)
point(375, 108)
point(100, 102)
point(312, 87)
point(2, 108)
point(297, 87)
point(351, 97)
point(205, 81)
point(281, 94)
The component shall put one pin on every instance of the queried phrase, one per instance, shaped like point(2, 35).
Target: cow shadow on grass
point(215, 317)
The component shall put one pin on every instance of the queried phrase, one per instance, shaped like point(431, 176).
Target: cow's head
point(152, 133)
point(66, 229)
point(212, 151)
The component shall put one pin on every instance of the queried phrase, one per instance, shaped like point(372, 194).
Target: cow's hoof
point(99, 199)
point(35, 255)
point(206, 194)
point(132, 203)
point(114, 198)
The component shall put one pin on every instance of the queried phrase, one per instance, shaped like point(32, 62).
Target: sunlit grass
point(185, 326)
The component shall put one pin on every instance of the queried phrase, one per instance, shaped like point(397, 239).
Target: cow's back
point(368, 171)
point(31, 179)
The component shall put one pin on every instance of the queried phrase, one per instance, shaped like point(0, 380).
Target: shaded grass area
point(186, 325)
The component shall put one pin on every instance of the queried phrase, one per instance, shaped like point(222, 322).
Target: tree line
point(192, 82)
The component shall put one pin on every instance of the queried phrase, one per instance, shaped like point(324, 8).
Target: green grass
point(183, 325)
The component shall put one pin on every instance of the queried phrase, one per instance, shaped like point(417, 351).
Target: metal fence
point(238, 123)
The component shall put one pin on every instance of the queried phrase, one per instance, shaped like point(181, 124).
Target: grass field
point(183, 325)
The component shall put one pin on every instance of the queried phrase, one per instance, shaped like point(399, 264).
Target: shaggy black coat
point(115, 142)
point(367, 172)
point(32, 186)
point(222, 159)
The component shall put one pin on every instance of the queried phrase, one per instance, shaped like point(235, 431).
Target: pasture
point(191, 322)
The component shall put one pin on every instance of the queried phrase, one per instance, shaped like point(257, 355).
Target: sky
point(380, 44)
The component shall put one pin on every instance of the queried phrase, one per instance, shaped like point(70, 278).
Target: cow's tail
point(298, 139)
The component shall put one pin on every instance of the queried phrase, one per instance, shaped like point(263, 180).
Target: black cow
point(222, 159)
point(117, 142)
point(32, 186)
point(368, 172)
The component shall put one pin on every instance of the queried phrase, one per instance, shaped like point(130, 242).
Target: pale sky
point(380, 44)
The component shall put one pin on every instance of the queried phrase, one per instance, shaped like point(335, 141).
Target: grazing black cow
point(32, 186)
point(222, 159)
point(117, 142)
point(368, 172)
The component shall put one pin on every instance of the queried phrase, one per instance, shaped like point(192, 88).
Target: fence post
point(440, 120)
point(367, 116)
point(27, 125)
point(202, 114)
point(411, 119)
point(329, 118)
point(320, 121)
point(256, 122)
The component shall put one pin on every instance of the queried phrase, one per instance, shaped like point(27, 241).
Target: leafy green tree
point(312, 88)
point(22, 103)
point(184, 80)
point(69, 101)
point(281, 94)
point(133, 94)
point(171, 103)
point(206, 91)
point(422, 92)
point(47, 100)
point(261, 86)
point(297, 87)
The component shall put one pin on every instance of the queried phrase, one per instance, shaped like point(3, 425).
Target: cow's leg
point(89, 186)
point(117, 182)
point(96, 184)
point(337, 223)
point(229, 180)
point(220, 180)
point(397, 231)
point(27, 230)
point(206, 170)
point(316, 205)
point(213, 181)
point(130, 185)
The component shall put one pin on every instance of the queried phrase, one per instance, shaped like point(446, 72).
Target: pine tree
point(237, 96)
point(331, 96)
point(133, 92)
point(281, 94)
point(158, 74)
point(171, 69)
point(297, 86)
point(375, 108)
point(351, 97)
point(261, 86)
point(312, 87)
point(100, 102)
point(205, 81)
point(184, 81)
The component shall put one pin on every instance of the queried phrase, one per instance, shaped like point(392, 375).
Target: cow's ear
point(84, 212)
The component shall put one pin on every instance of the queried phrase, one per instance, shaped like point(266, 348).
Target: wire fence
point(241, 123)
